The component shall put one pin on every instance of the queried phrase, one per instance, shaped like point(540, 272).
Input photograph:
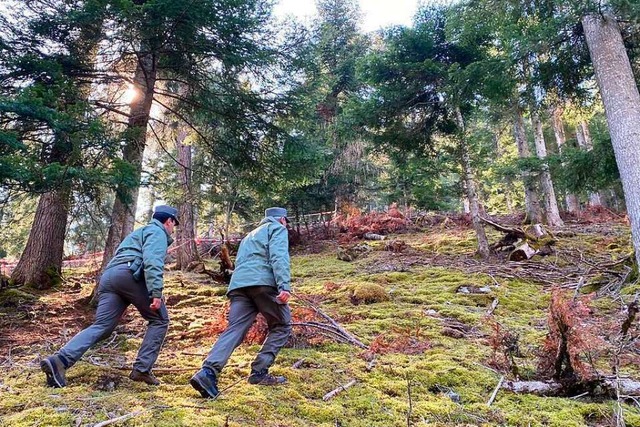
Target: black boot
point(55, 369)
point(144, 377)
point(206, 383)
point(265, 378)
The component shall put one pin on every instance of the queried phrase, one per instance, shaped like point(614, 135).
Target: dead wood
point(522, 252)
point(523, 243)
point(495, 391)
point(395, 246)
point(604, 387)
point(373, 236)
point(353, 252)
point(121, 418)
point(334, 392)
point(494, 304)
point(333, 328)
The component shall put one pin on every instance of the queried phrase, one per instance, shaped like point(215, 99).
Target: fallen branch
point(333, 393)
point(494, 304)
point(118, 419)
point(495, 391)
point(333, 327)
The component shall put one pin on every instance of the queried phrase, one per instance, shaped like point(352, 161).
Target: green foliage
point(581, 171)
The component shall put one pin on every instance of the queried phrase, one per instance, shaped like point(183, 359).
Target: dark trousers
point(117, 290)
point(246, 303)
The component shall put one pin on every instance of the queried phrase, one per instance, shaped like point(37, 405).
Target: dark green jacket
point(145, 249)
point(263, 258)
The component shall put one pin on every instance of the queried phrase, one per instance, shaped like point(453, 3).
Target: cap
point(169, 210)
point(276, 213)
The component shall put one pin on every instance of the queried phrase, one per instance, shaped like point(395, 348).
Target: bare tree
point(550, 202)
point(573, 205)
point(470, 186)
point(531, 198)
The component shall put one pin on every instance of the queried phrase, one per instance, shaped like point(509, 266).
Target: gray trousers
point(117, 290)
point(246, 303)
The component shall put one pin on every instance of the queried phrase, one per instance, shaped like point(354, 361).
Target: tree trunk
point(531, 199)
point(470, 186)
point(583, 136)
point(622, 107)
point(40, 265)
point(573, 205)
point(185, 240)
point(550, 201)
point(124, 207)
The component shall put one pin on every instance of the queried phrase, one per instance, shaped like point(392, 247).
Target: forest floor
point(426, 314)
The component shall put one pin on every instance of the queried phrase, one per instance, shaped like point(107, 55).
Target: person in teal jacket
point(260, 283)
point(133, 276)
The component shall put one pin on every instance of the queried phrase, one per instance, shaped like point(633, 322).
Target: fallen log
point(373, 236)
point(604, 387)
point(523, 243)
point(522, 252)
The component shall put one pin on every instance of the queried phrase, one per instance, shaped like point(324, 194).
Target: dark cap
point(169, 210)
point(276, 212)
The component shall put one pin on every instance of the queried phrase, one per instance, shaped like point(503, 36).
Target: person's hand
point(283, 297)
point(156, 304)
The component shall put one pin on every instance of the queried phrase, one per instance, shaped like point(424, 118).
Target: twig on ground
point(118, 419)
point(229, 387)
point(332, 328)
point(372, 363)
point(410, 402)
point(580, 395)
point(299, 363)
point(334, 392)
point(494, 304)
point(495, 391)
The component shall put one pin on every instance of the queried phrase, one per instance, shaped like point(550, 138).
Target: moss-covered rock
point(12, 297)
point(369, 293)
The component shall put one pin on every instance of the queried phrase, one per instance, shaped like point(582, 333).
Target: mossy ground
point(422, 377)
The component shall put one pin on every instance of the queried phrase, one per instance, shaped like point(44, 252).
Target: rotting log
point(522, 252)
point(523, 243)
point(604, 387)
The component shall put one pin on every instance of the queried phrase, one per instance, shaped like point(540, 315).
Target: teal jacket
point(145, 249)
point(263, 258)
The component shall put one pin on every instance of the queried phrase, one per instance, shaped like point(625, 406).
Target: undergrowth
point(415, 371)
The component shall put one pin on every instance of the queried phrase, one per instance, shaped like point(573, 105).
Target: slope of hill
point(441, 328)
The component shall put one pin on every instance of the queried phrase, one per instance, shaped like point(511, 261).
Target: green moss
point(12, 297)
point(421, 302)
point(369, 293)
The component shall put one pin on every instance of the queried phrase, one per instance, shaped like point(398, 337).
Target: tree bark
point(185, 237)
point(125, 205)
point(622, 107)
point(573, 205)
point(531, 199)
point(40, 265)
point(470, 185)
point(550, 201)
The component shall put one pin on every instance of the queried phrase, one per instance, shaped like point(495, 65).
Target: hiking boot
point(54, 369)
point(265, 378)
point(206, 383)
point(143, 377)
